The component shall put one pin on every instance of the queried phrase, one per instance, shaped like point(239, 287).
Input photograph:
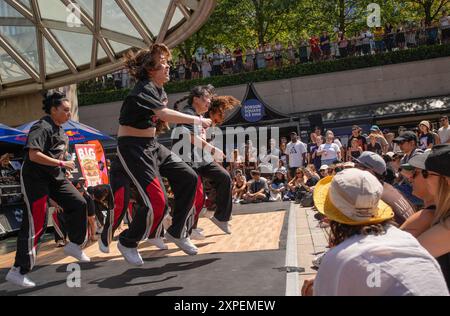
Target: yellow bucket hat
point(352, 197)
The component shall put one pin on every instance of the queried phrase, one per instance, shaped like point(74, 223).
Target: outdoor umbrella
point(78, 133)
point(9, 134)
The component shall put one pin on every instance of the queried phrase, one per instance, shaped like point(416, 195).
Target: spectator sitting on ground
point(258, 189)
point(376, 165)
point(312, 169)
point(323, 171)
point(301, 184)
point(364, 238)
point(239, 186)
point(278, 185)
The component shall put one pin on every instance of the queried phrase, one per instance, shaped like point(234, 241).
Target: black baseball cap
point(406, 136)
point(438, 160)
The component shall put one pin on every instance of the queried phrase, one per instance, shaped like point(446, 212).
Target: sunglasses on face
point(425, 174)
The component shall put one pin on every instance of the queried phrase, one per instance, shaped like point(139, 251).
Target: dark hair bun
point(53, 100)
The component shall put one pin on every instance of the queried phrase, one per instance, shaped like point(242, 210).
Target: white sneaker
point(197, 234)
point(158, 243)
point(184, 244)
point(224, 226)
point(75, 251)
point(131, 255)
point(15, 277)
point(102, 247)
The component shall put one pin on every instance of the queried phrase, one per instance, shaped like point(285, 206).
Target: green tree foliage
point(247, 23)
point(429, 10)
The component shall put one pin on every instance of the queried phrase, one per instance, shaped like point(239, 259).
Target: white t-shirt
point(295, 152)
point(393, 264)
point(338, 142)
point(330, 151)
point(444, 134)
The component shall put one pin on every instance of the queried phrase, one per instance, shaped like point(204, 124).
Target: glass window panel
point(78, 46)
point(119, 47)
point(8, 11)
point(101, 52)
point(53, 62)
point(177, 17)
point(10, 71)
point(88, 6)
point(57, 11)
point(114, 19)
point(152, 12)
point(23, 40)
point(26, 3)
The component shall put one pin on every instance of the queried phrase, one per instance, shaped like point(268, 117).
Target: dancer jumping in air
point(201, 101)
point(144, 161)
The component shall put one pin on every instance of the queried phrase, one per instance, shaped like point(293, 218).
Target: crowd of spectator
point(321, 47)
point(290, 170)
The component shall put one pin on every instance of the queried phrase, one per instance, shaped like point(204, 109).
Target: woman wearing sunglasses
point(432, 228)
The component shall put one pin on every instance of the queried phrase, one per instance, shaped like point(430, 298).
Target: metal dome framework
point(46, 44)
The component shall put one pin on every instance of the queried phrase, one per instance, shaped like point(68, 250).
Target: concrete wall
point(19, 110)
point(319, 92)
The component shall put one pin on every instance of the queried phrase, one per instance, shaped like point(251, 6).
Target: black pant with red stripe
point(145, 161)
point(120, 185)
point(37, 188)
point(221, 181)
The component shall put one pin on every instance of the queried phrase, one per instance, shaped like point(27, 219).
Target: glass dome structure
point(46, 44)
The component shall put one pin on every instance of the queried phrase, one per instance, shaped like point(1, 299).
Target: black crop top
point(137, 109)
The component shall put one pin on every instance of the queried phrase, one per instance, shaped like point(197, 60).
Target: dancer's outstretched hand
point(206, 123)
